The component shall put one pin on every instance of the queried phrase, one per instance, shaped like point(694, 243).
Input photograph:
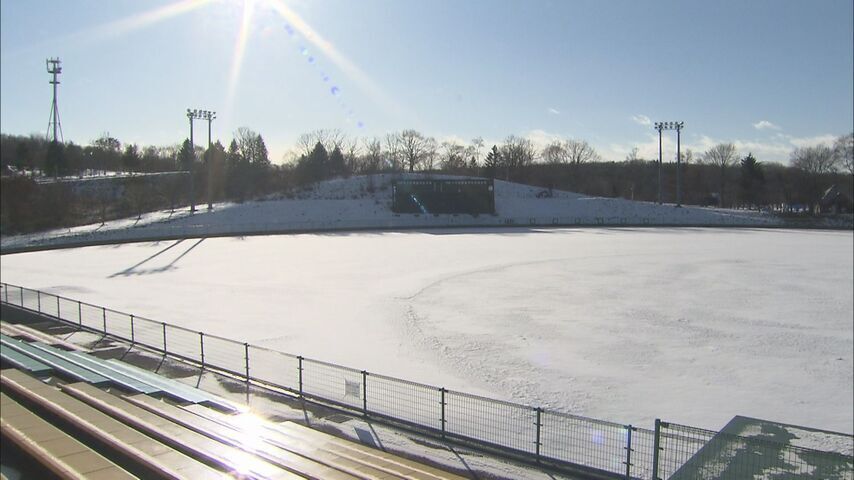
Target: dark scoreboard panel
point(474, 196)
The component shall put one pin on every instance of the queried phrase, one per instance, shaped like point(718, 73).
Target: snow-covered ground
point(365, 202)
point(692, 325)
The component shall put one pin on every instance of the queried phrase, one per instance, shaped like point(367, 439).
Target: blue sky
point(766, 75)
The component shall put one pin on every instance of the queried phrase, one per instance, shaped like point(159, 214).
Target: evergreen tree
point(336, 163)
point(186, 156)
point(752, 180)
point(131, 158)
point(492, 162)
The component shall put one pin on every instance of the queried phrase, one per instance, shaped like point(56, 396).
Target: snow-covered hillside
point(364, 202)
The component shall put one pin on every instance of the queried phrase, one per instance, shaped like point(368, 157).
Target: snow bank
point(364, 202)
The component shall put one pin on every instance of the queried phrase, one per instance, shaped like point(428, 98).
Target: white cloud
point(642, 120)
point(765, 125)
point(554, 111)
point(826, 139)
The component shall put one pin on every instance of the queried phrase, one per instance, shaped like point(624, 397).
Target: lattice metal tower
point(53, 123)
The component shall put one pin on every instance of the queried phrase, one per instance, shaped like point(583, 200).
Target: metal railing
point(599, 448)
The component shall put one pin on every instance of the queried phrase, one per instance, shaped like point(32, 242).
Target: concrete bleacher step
point(153, 455)
point(293, 434)
point(18, 330)
point(175, 435)
point(297, 455)
point(60, 453)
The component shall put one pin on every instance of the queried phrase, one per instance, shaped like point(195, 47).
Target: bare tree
point(453, 158)
point(474, 150)
point(633, 156)
point(815, 162)
point(843, 150)
point(723, 156)
point(373, 157)
point(394, 160)
point(579, 151)
point(330, 139)
point(555, 153)
point(413, 147)
point(517, 153)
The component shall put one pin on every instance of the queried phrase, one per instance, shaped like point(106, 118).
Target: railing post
point(365, 392)
point(132, 337)
point(656, 446)
point(6, 292)
point(58, 314)
point(299, 367)
point(22, 296)
point(39, 299)
point(104, 315)
point(202, 347)
point(246, 350)
point(164, 337)
point(629, 429)
point(539, 424)
point(442, 402)
point(79, 313)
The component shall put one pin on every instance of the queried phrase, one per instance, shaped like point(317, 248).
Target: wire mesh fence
point(405, 401)
point(504, 424)
point(275, 368)
point(341, 385)
point(671, 451)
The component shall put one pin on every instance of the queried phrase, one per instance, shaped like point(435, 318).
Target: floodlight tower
point(53, 123)
point(209, 116)
point(678, 127)
point(190, 115)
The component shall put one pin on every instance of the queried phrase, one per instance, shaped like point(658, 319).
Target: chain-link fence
point(585, 445)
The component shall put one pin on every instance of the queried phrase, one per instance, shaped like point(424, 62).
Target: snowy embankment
point(364, 202)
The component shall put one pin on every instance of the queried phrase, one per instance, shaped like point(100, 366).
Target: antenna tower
point(53, 123)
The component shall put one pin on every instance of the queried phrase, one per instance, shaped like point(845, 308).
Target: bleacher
point(79, 416)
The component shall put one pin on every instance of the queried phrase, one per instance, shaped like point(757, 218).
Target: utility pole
point(53, 123)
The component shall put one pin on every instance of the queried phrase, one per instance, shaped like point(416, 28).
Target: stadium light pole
point(678, 127)
point(209, 116)
point(190, 116)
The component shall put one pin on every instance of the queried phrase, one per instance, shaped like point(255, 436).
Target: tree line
point(720, 176)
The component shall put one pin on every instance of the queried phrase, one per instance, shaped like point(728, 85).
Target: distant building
point(834, 201)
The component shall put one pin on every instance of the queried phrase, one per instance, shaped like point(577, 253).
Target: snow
point(364, 202)
point(691, 325)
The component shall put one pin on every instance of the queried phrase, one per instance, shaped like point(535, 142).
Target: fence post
point(202, 347)
point(442, 392)
point(629, 429)
point(6, 291)
point(656, 446)
point(79, 313)
point(246, 350)
point(164, 337)
point(132, 337)
point(539, 424)
point(22, 296)
point(299, 367)
point(39, 300)
point(58, 314)
point(365, 392)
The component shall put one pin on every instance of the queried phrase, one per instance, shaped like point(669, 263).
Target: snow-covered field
point(692, 325)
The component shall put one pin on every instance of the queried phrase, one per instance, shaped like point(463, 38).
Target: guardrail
point(597, 448)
